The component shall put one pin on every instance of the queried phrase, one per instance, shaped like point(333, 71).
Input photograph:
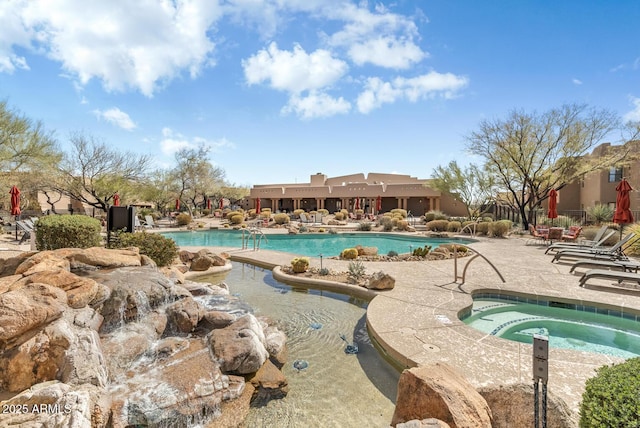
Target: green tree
point(28, 154)
point(473, 186)
point(532, 153)
point(195, 176)
point(92, 172)
point(159, 189)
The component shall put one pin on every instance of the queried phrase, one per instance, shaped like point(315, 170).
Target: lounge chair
point(612, 253)
point(609, 274)
point(582, 244)
point(27, 229)
point(304, 218)
point(537, 235)
point(572, 234)
point(149, 220)
point(623, 265)
point(140, 225)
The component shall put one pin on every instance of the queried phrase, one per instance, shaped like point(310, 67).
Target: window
point(615, 174)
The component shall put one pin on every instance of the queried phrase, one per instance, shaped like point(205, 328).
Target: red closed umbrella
point(378, 204)
point(356, 204)
point(15, 200)
point(209, 204)
point(177, 204)
point(257, 205)
point(553, 205)
point(221, 202)
point(116, 200)
point(623, 214)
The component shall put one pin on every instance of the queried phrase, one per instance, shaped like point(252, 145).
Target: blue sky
point(283, 89)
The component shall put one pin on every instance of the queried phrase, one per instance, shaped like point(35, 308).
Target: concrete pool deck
point(417, 322)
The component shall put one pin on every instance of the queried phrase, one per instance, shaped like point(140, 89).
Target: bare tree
point(533, 153)
point(92, 172)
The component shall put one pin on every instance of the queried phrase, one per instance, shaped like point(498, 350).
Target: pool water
point(311, 244)
point(336, 389)
point(566, 328)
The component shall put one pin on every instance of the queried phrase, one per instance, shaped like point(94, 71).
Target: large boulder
point(55, 404)
point(512, 406)
point(438, 391)
point(269, 384)
point(42, 262)
point(183, 316)
point(135, 291)
point(101, 257)
point(276, 345)
point(381, 281)
point(61, 351)
point(24, 311)
point(174, 391)
point(240, 347)
point(80, 291)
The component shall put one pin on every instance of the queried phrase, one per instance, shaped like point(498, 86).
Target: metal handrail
point(475, 227)
point(464, 271)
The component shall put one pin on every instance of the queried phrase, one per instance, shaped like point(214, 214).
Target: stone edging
point(321, 284)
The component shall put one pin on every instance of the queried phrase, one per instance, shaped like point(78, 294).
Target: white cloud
point(633, 115)
point(576, 81)
point(172, 142)
point(12, 33)
point(386, 52)
point(378, 92)
point(380, 38)
point(293, 71)
point(316, 105)
point(140, 45)
point(116, 117)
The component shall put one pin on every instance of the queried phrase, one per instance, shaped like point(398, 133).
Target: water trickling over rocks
point(105, 339)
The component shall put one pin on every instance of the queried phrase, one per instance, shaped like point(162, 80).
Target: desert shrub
point(399, 212)
point(332, 232)
point(434, 215)
point(359, 212)
point(394, 221)
point(392, 254)
point(297, 212)
point(323, 212)
point(300, 264)
point(454, 226)
point(160, 249)
point(600, 213)
point(355, 271)
point(454, 247)
point(345, 212)
point(464, 225)
point(321, 230)
point(281, 218)
point(67, 231)
point(206, 211)
point(339, 216)
point(611, 398)
point(402, 225)
point(303, 229)
point(237, 218)
point(483, 228)
point(438, 225)
point(500, 228)
point(421, 251)
point(349, 254)
point(387, 223)
point(183, 219)
point(324, 271)
point(365, 226)
point(232, 213)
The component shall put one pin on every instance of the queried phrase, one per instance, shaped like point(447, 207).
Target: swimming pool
point(310, 244)
point(314, 322)
point(568, 326)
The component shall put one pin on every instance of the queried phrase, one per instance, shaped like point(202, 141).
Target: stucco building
point(347, 191)
point(599, 187)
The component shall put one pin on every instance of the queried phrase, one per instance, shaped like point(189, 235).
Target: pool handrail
point(464, 271)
